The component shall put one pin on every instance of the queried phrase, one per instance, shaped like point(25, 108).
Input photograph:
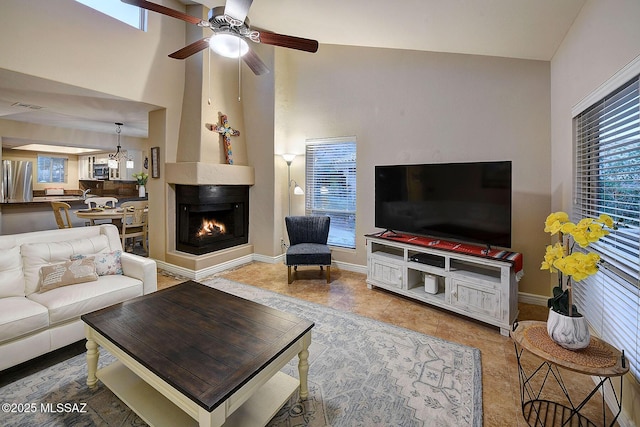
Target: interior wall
point(575, 74)
point(424, 107)
point(83, 47)
point(603, 39)
point(25, 133)
point(211, 89)
point(65, 41)
point(71, 182)
point(259, 119)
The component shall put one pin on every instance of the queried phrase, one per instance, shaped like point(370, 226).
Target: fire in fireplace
point(211, 228)
point(211, 217)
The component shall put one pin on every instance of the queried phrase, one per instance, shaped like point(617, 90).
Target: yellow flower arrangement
point(141, 177)
point(560, 257)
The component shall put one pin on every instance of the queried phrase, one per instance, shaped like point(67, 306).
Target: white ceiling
point(528, 29)
point(68, 106)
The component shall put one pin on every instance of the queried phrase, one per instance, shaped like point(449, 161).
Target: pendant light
point(119, 156)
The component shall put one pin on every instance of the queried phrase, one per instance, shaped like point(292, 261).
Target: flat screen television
point(468, 202)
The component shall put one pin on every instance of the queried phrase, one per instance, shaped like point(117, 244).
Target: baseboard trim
point(269, 259)
point(523, 297)
point(351, 267)
point(205, 272)
point(532, 299)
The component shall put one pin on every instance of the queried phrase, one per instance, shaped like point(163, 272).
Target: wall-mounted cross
point(226, 132)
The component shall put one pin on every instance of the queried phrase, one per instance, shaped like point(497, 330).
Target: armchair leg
point(328, 273)
point(289, 278)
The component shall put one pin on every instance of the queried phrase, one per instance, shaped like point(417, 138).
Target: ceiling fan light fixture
point(228, 45)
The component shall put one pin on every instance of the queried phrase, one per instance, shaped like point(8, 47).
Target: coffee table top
point(204, 342)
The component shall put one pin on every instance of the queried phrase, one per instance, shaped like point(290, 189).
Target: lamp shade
point(288, 158)
point(228, 45)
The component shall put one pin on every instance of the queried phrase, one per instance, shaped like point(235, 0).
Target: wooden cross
point(226, 132)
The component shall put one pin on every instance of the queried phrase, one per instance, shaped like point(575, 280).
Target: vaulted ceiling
point(527, 29)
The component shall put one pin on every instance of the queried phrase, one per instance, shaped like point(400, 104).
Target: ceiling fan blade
point(189, 50)
point(292, 42)
point(254, 62)
point(237, 9)
point(144, 4)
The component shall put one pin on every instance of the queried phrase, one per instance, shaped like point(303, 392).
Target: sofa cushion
point(20, 316)
point(67, 273)
point(69, 302)
point(11, 277)
point(107, 263)
point(36, 255)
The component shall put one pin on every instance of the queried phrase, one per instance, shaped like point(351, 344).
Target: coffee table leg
point(303, 365)
point(212, 419)
point(92, 361)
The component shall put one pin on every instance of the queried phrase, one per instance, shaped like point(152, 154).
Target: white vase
point(141, 191)
point(569, 332)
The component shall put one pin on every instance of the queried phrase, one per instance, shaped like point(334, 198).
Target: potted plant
point(565, 325)
point(141, 178)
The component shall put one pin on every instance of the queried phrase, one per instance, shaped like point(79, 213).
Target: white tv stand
point(482, 288)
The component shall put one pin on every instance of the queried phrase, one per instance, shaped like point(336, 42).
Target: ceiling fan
point(230, 26)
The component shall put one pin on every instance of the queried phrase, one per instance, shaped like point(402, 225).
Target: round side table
point(599, 359)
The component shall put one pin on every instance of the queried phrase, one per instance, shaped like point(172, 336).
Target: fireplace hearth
point(210, 218)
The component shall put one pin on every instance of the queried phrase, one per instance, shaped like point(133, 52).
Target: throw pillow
point(107, 263)
point(67, 273)
point(37, 255)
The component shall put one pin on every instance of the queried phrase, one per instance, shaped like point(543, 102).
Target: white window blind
point(331, 186)
point(607, 180)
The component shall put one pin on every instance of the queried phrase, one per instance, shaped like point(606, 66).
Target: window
point(331, 186)
point(607, 180)
point(52, 169)
point(132, 15)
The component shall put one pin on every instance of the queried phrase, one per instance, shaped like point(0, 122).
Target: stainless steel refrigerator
point(17, 182)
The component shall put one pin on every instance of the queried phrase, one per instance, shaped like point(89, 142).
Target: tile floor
point(348, 291)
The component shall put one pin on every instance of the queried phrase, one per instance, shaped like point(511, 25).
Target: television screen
point(468, 202)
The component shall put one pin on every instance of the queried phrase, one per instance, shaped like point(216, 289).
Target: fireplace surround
point(210, 218)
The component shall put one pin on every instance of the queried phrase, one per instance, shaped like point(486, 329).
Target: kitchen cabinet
point(85, 167)
point(86, 164)
point(122, 173)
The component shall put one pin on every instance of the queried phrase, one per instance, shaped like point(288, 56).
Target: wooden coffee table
point(194, 355)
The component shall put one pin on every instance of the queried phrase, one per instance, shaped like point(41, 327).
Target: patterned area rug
point(362, 373)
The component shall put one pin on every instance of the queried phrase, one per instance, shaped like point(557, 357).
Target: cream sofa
point(32, 322)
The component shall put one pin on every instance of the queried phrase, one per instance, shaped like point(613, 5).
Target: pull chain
point(209, 82)
point(239, 71)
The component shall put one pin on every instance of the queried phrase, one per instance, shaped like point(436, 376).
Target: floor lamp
point(297, 190)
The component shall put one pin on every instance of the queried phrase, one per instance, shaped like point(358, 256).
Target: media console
point(469, 280)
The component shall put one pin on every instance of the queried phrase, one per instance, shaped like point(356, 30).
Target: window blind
point(607, 180)
point(331, 186)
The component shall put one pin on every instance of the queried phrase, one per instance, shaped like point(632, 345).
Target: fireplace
point(211, 217)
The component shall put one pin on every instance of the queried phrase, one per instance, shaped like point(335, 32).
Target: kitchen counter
point(22, 217)
point(72, 200)
point(58, 198)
